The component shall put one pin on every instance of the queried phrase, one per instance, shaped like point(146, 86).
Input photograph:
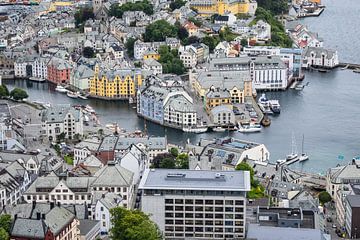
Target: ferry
point(249, 128)
point(61, 89)
point(72, 94)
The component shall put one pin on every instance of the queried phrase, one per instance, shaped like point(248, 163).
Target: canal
point(326, 112)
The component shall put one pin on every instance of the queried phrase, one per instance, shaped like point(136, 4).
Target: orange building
point(58, 71)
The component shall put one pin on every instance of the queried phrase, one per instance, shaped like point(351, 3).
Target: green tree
point(193, 39)
point(257, 190)
point(170, 61)
point(197, 22)
point(182, 33)
point(117, 10)
point(243, 166)
point(129, 45)
point(177, 4)
point(4, 92)
point(82, 15)
point(4, 235)
point(244, 42)
point(182, 161)
point(88, 52)
point(168, 163)
point(324, 197)
point(132, 225)
point(174, 151)
point(5, 222)
point(211, 42)
point(159, 30)
point(274, 6)
point(18, 94)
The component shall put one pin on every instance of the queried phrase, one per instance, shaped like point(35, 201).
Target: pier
point(349, 65)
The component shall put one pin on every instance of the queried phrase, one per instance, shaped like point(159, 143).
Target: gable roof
point(113, 175)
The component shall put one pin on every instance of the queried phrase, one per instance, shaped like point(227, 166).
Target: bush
point(4, 92)
point(88, 52)
point(18, 94)
point(69, 159)
point(324, 197)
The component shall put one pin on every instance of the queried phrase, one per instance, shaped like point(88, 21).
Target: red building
point(58, 71)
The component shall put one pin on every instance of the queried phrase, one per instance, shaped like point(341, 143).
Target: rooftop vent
point(176, 175)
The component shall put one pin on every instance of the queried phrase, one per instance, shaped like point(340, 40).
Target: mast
point(302, 145)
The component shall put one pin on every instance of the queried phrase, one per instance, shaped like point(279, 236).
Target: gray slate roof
point(113, 175)
point(57, 114)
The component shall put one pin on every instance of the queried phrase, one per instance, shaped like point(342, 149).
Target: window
point(101, 209)
point(103, 216)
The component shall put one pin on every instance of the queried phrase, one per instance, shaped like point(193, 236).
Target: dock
point(351, 66)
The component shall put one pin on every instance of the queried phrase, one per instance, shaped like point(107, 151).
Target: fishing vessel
point(303, 156)
point(72, 94)
point(275, 106)
point(249, 128)
point(293, 154)
point(60, 89)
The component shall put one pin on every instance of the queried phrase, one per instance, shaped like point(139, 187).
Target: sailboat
point(303, 156)
point(293, 154)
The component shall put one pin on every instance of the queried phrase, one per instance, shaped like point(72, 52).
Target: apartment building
point(58, 71)
point(196, 204)
point(211, 7)
point(352, 220)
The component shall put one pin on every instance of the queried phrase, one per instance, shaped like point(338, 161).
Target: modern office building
point(196, 204)
point(352, 220)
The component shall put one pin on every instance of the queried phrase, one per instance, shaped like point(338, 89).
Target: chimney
point(33, 204)
point(103, 195)
point(38, 216)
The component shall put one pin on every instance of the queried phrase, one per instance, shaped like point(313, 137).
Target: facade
point(154, 66)
point(80, 77)
point(211, 7)
point(62, 119)
point(222, 115)
point(84, 149)
point(267, 72)
point(31, 67)
point(115, 84)
point(151, 54)
point(352, 221)
point(187, 56)
point(320, 57)
point(58, 71)
point(193, 204)
point(215, 98)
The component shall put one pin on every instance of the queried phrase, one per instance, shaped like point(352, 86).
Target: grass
point(69, 159)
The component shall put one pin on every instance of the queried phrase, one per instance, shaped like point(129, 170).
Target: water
point(326, 111)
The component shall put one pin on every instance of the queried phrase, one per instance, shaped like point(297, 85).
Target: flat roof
point(179, 179)
point(353, 200)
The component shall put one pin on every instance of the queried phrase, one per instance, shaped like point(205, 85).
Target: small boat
point(72, 94)
point(357, 70)
point(275, 106)
point(82, 97)
point(323, 70)
point(89, 109)
point(266, 121)
point(263, 100)
point(195, 129)
point(86, 118)
point(293, 155)
point(35, 79)
point(346, 67)
point(61, 89)
point(250, 128)
point(299, 87)
point(303, 156)
point(219, 129)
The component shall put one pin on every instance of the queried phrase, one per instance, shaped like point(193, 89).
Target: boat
point(249, 128)
point(89, 109)
point(86, 118)
point(346, 67)
point(299, 87)
point(195, 129)
point(72, 94)
point(293, 155)
point(61, 89)
point(323, 70)
point(303, 156)
point(263, 100)
point(35, 79)
point(219, 129)
point(275, 106)
point(82, 97)
point(266, 121)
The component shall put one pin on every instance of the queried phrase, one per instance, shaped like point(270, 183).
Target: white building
point(84, 149)
point(320, 57)
point(80, 77)
point(135, 161)
point(179, 110)
point(62, 119)
point(188, 56)
point(222, 115)
point(153, 65)
point(196, 204)
point(223, 48)
point(31, 66)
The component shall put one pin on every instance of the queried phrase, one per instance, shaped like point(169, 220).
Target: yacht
point(250, 128)
point(60, 89)
point(200, 129)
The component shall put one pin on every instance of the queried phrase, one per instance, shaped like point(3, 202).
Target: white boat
point(82, 97)
point(35, 79)
point(251, 128)
point(303, 156)
point(275, 106)
point(72, 94)
point(293, 155)
point(89, 109)
point(86, 118)
point(61, 89)
point(219, 129)
point(195, 129)
point(281, 161)
point(263, 100)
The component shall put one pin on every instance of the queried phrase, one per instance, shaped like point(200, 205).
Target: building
point(58, 223)
point(352, 221)
point(151, 54)
point(225, 154)
point(217, 97)
point(267, 72)
point(154, 66)
point(222, 116)
point(84, 149)
point(89, 229)
point(116, 84)
point(80, 77)
point(191, 28)
point(211, 7)
point(170, 106)
point(188, 56)
point(62, 121)
point(196, 204)
point(31, 67)
point(58, 71)
point(320, 57)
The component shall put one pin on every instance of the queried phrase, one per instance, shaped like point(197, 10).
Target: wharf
point(349, 65)
point(316, 13)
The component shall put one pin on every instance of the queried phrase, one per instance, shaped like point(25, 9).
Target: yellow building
point(210, 7)
point(151, 55)
point(58, 6)
point(216, 97)
point(115, 84)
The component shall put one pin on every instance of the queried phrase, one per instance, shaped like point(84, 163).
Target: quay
point(316, 13)
point(349, 65)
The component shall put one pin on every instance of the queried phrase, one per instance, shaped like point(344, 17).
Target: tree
point(117, 10)
point(193, 39)
point(88, 52)
point(159, 30)
point(177, 4)
point(18, 94)
point(174, 151)
point(82, 15)
point(182, 161)
point(61, 137)
point(5, 222)
point(4, 92)
point(211, 42)
point(197, 22)
point(182, 33)
point(324, 197)
point(129, 45)
point(244, 42)
point(274, 6)
point(4, 235)
point(243, 166)
point(257, 190)
point(132, 225)
point(168, 163)
point(170, 61)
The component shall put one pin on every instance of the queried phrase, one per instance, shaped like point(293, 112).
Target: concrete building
point(62, 119)
point(211, 7)
point(352, 220)
point(80, 77)
point(320, 57)
point(196, 204)
point(222, 115)
point(267, 72)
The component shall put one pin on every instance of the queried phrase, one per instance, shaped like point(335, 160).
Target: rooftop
point(353, 200)
point(195, 180)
